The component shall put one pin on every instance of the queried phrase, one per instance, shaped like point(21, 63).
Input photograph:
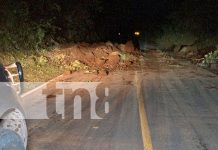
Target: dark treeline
point(192, 22)
point(36, 24)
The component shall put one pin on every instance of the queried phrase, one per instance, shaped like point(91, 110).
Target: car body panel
point(9, 100)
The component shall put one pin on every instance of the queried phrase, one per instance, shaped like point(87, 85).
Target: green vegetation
point(76, 65)
point(42, 66)
point(37, 66)
point(124, 56)
point(170, 38)
point(127, 57)
point(34, 25)
point(190, 23)
point(212, 57)
point(29, 29)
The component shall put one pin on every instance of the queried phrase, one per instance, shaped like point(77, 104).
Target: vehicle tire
point(10, 140)
point(15, 121)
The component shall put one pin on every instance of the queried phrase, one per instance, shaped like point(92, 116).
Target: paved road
point(181, 103)
point(118, 130)
point(182, 108)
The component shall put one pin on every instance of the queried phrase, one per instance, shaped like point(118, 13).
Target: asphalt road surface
point(181, 111)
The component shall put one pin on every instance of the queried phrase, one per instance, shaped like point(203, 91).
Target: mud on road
point(181, 107)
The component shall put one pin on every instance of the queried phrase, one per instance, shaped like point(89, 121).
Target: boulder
point(176, 49)
point(214, 66)
point(121, 47)
point(129, 47)
point(202, 52)
point(190, 54)
point(67, 72)
point(83, 44)
point(186, 50)
point(108, 43)
point(84, 55)
point(96, 55)
point(99, 62)
point(101, 51)
point(102, 72)
point(113, 60)
point(115, 49)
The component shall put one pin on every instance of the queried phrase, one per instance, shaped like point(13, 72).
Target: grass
point(37, 67)
point(170, 39)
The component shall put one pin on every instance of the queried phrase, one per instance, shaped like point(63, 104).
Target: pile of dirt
point(99, 56)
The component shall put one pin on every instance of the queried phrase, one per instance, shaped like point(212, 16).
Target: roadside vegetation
point(36, 66)
point(192, 23)
point(191, 32)
point(30, 31)
point(210, 58)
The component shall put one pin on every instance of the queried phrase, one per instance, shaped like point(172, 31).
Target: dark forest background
point(37, 24)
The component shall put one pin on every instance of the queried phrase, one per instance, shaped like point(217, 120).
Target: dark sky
point(152, 13)
point(126, 16)
point(151, 16)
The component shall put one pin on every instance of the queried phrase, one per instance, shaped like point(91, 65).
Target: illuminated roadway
point(156, 106)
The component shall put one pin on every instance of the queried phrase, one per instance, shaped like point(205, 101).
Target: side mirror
point(3, 75)
point(20, 71)
point(11, 76)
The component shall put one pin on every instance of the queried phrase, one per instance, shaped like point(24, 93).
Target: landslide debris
point(205, 57)
point(97, 56)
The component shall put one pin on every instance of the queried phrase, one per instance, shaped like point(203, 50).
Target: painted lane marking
point(146, 137)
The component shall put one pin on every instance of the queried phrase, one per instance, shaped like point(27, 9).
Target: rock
point(116, 45)
point(83, 44)
point(191, 54)
point(67, 72)
point(113, 60)
point(96, 55)
point(102, 72)
point(169, 48)
point(99, 62)
point(108, 43)
point(121, 47)
point(176, 49)
point(85, 56)
point(127, 63)
point(187, 49)
point(115, 49)
point(206, 50)
point(101, 52)
point(129, 47)
point(214, 66)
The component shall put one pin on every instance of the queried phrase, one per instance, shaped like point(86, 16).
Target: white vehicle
point(13, 128)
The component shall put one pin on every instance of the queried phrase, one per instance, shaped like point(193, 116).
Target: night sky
point(151, 16)
point(143, 15)
point(44, 21)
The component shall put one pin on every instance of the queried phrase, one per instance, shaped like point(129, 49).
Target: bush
point(33, 25)
point(210, 58)
point(76, 65)
point(170, 38)
point(186, 25)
